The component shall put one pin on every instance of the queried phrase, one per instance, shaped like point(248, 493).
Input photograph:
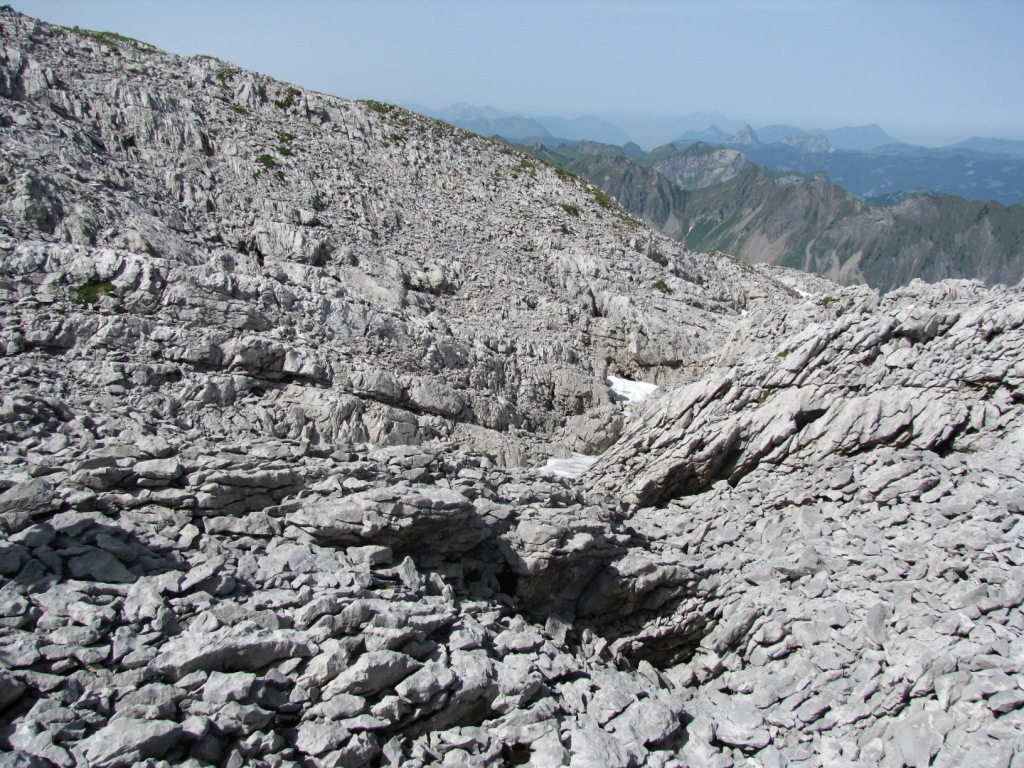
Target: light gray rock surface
point(274, 367)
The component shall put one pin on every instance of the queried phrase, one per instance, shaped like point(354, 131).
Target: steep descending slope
point(812, 224)
point(698, 165)
point(643, 192)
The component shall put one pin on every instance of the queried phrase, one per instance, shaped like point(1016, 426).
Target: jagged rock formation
point(275, 366)
point(844, 492)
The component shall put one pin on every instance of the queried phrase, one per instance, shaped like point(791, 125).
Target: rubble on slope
point(271, 363)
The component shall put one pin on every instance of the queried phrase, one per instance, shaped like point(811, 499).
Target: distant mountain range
point(993, 146)
point(854, 203)
point(715, 198)
point(887, 170)
point(488, 121)
point(865, 161)
point(861, 138)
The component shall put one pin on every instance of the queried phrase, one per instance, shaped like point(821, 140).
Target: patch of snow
point(626, 391)
point(574, 466)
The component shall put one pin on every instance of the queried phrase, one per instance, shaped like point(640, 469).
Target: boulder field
point(279, 375)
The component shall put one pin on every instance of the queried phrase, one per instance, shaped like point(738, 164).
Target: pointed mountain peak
point(745, 137)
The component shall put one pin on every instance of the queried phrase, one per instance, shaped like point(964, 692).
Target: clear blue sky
point(928, 71)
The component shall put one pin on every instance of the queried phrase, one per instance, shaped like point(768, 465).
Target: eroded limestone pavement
point(276, 367)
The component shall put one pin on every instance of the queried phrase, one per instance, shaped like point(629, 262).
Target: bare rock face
point(274, 370)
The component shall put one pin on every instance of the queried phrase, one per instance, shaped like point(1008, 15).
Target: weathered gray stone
point(372, 672)
point(425, 520)
point(100, 566)
point(223, 650)
point(126, 741)
point(287, 435)
point(316, 738)
point(221, 688)
point(11, 689)
point(426, 683)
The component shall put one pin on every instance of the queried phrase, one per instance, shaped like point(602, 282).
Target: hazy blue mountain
point(488, 121)
point(898, 168)
point(807, 142)
point(463, 111)
point(633, 151)
point(650, 131)
point(745, 137)
point(889, 171)
point(863, 137)
point(864, 160)
point(993, 146)
point(509, 127)
point(589, 127)
point(710, 135)
point(563, 149)
point(769, 134)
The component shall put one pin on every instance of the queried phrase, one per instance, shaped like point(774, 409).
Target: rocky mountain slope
point(812, 224)
point(279, 369)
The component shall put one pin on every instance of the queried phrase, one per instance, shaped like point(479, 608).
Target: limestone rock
point(271, 488)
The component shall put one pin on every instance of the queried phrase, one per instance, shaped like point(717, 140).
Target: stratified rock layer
point(272, 366)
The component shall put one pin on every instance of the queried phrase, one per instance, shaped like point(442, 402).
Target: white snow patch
point(626, 391)
point(574, 466)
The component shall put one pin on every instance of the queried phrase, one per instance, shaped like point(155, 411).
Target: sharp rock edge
point(275, 369)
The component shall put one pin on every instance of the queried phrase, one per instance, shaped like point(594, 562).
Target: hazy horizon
point(929, 72)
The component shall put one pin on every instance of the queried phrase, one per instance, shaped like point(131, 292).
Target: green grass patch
point(664, 287)
point(377, 106)
point(572, 210)
point(828, 301)
point(288, 98)
point(112, 40)
point(266, 161)
point(603, 200)
point(89, 293)
point(225, 75)
point(238, 109)
point(563, 174)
